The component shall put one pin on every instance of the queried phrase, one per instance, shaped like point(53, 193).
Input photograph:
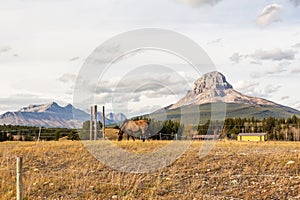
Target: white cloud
point(15, 102)
point(66, 78)
point(296, 45)
point(295, 71)
point(198, 3)
point(269, 15)
point(295, 2)
point(284, 98)
point(74, 58)
point(137, 88)
point(256, 75)
point(285, 63)
point(4, 49)
point(272, 71)
point(252, 88)
point(274, 55)
point(157, 85)
point(236, 57)
point(275, 70)
point(39, 36)
point(216, 41)
point(269, 89)
point(296, 105)
point(245, 86)
point(255, 62)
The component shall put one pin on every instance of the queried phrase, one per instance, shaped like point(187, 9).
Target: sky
point(44, 45)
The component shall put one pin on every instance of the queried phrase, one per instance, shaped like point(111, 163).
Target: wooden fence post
point(19, 178)
point(96, 115)
point(91, 124)
point(39, 137)
point(103, 122)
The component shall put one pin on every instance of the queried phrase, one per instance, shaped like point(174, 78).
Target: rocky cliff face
point(115, 118)
point(212, 81)
point(213, 87)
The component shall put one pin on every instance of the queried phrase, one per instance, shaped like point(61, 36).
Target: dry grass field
point(232, 170)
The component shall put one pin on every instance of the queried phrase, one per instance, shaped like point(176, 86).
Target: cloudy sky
point(43, 45)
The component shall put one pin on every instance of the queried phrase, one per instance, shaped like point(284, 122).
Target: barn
point(252, 137)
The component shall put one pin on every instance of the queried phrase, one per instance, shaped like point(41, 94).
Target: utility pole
point(95, 131)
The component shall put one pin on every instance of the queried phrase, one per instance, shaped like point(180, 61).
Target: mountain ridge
point(54, 115)
point(209, 89)
point(213, 88)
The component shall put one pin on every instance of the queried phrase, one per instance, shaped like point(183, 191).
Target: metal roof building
point(252, 137)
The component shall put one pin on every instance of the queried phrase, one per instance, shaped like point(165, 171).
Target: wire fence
point(31, 182)
point(40, 176)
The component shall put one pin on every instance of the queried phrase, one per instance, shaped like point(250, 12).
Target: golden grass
point(232, 170)
point(111, 133)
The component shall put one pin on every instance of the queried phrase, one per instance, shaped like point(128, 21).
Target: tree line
point(32, 133)
point(276, 129)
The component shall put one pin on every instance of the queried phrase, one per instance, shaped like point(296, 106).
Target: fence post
point(39, 137)
point(19, 178)
point(96, 115)
point(103, 122)
point(91, 124)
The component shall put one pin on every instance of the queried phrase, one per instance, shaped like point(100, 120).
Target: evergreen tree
point(57, 135)
point(73, 135)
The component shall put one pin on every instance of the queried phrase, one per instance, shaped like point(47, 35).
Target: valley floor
point(232, 170)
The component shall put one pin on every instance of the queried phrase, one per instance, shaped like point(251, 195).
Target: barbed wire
point(197, 174)
point(169, 190)
point(48, 174)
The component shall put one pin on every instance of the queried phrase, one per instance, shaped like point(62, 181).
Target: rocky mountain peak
point(69, 107)
point(54, 115)
point(213, 87)
point(211, 81)
point(53, 104)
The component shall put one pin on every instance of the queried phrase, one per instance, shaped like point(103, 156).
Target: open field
point(232, 170)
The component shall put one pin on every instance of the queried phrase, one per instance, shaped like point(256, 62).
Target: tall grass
point(66, 170)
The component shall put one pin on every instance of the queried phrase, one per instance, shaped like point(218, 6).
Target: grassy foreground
point(232, 170)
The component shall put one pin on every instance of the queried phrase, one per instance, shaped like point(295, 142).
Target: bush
point(73, 135)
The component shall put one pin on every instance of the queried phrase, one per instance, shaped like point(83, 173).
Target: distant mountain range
point(54, 115)
point(212, 88)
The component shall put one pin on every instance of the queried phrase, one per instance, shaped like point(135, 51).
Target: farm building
point(252, 137)
point(205, 137)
